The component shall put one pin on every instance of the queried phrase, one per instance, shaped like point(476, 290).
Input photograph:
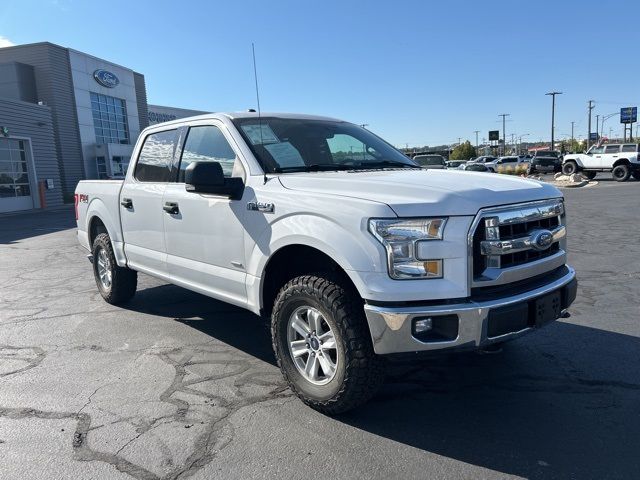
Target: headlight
point(399, 237)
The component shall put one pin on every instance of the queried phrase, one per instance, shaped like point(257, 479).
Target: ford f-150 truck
point(350, 248)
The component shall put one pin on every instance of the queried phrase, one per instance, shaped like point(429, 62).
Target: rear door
point(610, 156)
point(141, 210)
point(205, 233)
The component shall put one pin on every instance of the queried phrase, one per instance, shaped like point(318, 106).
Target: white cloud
point(5, 42)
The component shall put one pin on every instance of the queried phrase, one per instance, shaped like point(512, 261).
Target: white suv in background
point(505, 163)
point(619, 159)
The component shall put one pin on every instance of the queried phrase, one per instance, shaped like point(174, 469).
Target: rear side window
point(612, 149)
point(154, 162)
point(207, 144)
point(629, 148)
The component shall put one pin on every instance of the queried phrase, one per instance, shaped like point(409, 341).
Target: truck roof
point(234, 115)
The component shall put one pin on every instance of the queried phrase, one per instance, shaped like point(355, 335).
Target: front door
point(204, 234)
point(141, 203)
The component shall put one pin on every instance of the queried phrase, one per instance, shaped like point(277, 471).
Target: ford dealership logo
point(541, 239)
point(105, 78)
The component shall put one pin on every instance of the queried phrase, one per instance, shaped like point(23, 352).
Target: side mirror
point(208, 177)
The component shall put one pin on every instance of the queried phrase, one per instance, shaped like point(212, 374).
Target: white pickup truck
point(351, 249)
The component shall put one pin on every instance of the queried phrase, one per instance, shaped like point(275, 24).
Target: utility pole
point(476, 132)
point(553, 114)
point(572, 123)
point(597, 128)
point(591, 107)
point(504, 139)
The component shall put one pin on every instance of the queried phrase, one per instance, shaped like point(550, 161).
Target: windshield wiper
point(314, 167)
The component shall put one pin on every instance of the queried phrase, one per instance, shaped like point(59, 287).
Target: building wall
point(159, 113)
point(17, 81)
point(82, 68)
point(24, 119)
point(141, 96)
point(53, 84)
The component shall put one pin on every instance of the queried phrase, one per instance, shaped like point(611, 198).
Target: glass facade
point(14, 176)
point(109, 119)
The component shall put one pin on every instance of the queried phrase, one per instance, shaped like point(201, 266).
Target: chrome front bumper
point(391, 327)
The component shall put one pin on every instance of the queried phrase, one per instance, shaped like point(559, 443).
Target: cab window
point(596, 150)
point(156, 155)
point(629, 148)
point(206, 143)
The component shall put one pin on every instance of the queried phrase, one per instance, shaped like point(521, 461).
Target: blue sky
point(418, 72)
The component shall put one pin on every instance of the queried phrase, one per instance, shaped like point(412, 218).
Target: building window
point(102, 168)
point(109, 119)
point(14, 176)
point(119, 166)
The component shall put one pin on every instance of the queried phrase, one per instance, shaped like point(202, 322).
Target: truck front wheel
point(323, 346)
point(116, 284)
point(569, 167)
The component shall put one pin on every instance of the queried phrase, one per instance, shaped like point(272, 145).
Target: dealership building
point(66, 116)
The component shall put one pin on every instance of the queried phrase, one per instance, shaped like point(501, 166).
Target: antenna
point(255, 76)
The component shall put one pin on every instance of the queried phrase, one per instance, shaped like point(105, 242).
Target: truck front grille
point(507, 237)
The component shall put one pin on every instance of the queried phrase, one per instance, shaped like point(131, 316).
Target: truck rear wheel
point(323, 345)
point(621, 173)
point(116, 284)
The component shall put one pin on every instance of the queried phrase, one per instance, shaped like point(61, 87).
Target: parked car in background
point(455, 164)
point(431, 162)
point(483, 159)
point(545, 161)
point(474, 167)
point(622, 160)
point(509, 164)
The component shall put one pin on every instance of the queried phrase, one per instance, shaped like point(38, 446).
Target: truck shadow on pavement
point(562, 403)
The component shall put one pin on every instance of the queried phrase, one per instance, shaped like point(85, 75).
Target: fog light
point(423, 325)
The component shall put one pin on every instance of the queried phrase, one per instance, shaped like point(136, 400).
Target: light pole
point(520, 141)
point(604, 119)
point(572, 123)
point(590, 107)
point(504, 139)
point(553, 113)
point(476, 132)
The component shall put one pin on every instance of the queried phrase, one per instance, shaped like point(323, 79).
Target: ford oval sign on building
point(106, 78)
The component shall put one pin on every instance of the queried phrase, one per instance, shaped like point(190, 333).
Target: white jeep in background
point(351, 249)
point(619, 159)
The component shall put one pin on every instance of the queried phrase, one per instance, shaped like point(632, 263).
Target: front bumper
point(392, 327)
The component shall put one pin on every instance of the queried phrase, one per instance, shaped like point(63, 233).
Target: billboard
point(494, 135)
point(629, 115)
point(593, 137)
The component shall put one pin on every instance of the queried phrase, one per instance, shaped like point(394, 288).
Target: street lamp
point(606, 117)
point(553, 113)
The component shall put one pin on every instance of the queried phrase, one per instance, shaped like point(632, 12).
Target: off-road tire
point(589, 175)
point(569, 168)
point(124, 281)
point(359, 372)
point(621, 173)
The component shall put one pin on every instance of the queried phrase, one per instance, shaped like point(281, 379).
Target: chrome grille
point(506, 243)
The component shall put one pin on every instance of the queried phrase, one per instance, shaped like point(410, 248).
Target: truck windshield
point(296, 145)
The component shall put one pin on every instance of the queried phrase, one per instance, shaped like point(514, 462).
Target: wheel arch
point(100, 220)
point(621, 161)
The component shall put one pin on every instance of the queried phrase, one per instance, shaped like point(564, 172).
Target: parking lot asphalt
point(177, 385)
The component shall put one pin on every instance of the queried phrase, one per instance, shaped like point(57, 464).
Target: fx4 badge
point(261, 207)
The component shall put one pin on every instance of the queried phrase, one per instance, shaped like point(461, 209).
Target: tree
point(464, 151)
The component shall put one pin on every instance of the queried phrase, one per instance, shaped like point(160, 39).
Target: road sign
point(629, 115)
point(494, 135)
point(593, 136)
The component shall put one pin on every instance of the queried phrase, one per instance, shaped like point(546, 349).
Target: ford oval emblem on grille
point(106, 78)
point(541, 239)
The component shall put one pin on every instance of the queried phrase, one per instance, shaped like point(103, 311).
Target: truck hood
point(412, 193)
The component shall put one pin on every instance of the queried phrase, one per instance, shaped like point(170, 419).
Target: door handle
point(615, 156)
point(126, 203)
point(171, 208)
